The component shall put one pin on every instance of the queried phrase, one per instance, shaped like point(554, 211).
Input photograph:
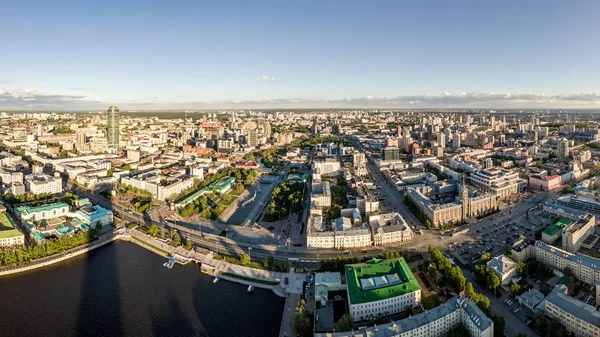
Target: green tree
point(153, 230)
point(302, 324)
point(346, 323)
point(245, 259)
point(499, 324)
point(188, 245)
point(431, 301)
point(515, 289)
point(268, 262)
point(485, 257)
point(521, 268)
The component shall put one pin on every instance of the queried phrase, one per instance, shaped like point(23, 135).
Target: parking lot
point(497, 233)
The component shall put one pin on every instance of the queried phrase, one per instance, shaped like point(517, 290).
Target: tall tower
point(563, 150)
point(464, 198)
point(112, 130)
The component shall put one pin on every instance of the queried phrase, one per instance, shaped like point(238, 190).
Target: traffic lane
point(513, 324)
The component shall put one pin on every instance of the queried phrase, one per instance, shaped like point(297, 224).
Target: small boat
point(169, 264)
point(216, 280)
point(250, 288)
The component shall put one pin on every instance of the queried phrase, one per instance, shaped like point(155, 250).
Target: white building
point(435, 322)
point(380, 287)
point(502, 182)
point(389, 228)
point(503, 267)
point(579, 318)
point(43, 183)
point(45, 212)
point(320, 194)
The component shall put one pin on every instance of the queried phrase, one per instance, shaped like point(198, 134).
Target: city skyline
point(282, 55)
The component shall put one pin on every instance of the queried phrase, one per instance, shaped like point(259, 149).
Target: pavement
point(287, 319)
point(513, 324)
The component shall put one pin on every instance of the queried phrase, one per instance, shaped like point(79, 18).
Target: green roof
point(193, 196)
point(28, 210)
point(558, 226)
point(222, 183)
point(7, 221)
point(9, 233)
point(378, 280)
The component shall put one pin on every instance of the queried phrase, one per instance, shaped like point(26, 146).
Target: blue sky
point(248, 54)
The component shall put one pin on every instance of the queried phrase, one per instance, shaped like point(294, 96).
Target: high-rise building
point(391, 154)
point(441, 138)
point(112, 130)
point(563, 151)
point(81, 137)
point(456, 140)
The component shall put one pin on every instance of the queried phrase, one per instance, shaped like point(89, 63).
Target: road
point(513, 324)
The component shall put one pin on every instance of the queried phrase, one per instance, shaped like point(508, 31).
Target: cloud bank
point(15, 99)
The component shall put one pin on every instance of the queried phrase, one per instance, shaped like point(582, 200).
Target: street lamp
point(249, 256)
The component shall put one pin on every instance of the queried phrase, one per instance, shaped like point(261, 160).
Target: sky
point(145, 55)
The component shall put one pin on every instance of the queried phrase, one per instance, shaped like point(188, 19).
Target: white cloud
point(30, 98)
point(269, 79)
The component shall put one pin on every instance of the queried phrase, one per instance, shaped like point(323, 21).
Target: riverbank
point(50, 260)
point(280, 283)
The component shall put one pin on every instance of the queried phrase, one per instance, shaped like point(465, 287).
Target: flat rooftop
point(377, 280)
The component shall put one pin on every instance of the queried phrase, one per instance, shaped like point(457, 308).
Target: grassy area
point(6, 221)
point(249, 279)
point(151, 245)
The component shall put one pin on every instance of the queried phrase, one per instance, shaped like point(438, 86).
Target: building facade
point(112, 129)
point(436, 322)
point(383, 287)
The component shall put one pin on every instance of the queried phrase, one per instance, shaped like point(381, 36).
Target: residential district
point(395, 223)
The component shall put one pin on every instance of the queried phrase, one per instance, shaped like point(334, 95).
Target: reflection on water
point(124, 290)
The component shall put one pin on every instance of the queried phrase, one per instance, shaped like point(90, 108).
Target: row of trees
point(277, 265)
point(454, 276)
point(486, 277)
point(11, 256)
point(205, 205)
point(303, 324)
point(173, 235)
point(142, 204)
point(286, 197)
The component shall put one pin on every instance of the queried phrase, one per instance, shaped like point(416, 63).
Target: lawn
point(151, 245)
point(249, 279)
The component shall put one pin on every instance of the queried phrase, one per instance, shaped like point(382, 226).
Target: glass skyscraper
point(112, 131)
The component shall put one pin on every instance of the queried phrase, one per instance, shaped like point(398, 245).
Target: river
point(123, 290)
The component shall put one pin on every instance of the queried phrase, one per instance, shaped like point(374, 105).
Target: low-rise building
point(320, 194)
point(503, 267)
point(554, 232)
point(383, 287)
point(389, 228)
point(45, 212)
point(544, 182)
point(10, 236)
point(43, 184)
point(531, 298)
